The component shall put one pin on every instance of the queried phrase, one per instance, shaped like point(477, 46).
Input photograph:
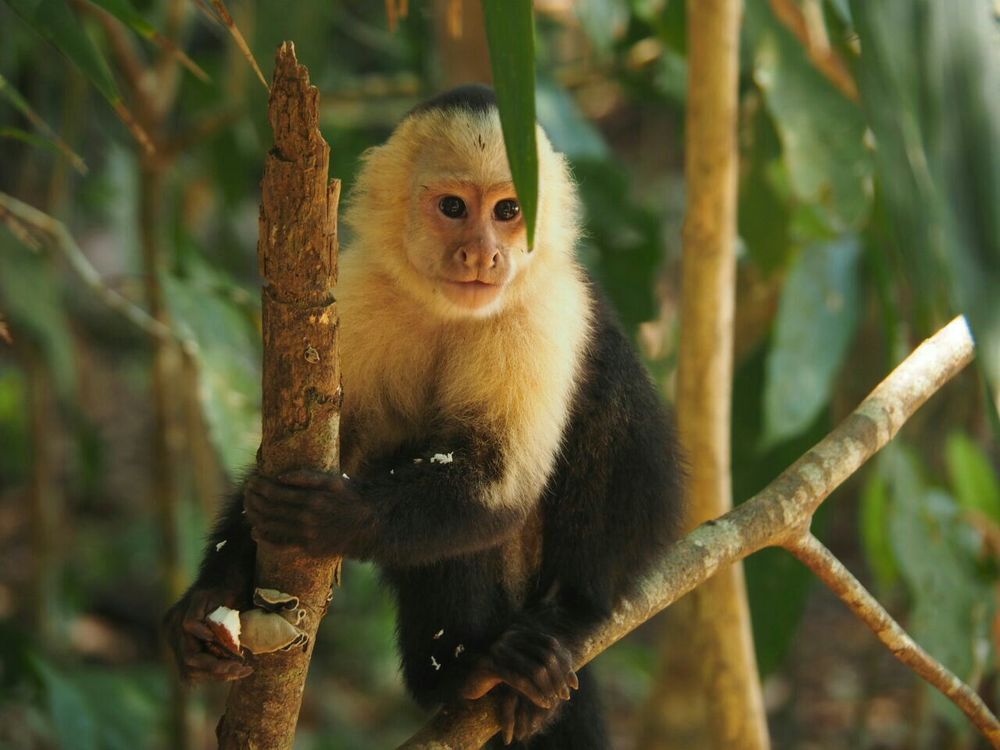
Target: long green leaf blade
point(510, 32)
point(124, 11)
point(54, 21)
point(48, 139)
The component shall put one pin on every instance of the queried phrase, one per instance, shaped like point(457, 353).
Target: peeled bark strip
point(297, 255)
point(778, 515)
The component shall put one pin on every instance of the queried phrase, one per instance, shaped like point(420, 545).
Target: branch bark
point(779, 515)
point(849, 589)
point(297, 254)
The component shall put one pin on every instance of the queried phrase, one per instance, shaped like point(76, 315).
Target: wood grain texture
point(297, 256)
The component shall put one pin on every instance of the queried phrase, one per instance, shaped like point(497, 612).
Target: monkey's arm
point(224, 579)
point(421, 507)
point(612, 506)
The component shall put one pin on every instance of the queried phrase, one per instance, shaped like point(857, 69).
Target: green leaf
point(604, 22)
point(936, 119)
point(624, 240)
point(511, 35)
point(571, 133)
point(31, 296)
point(228, 357)
point(125, 12)
point(777, 584)
point(954, 601)
point(94, 708)
point(972, 476)
point(874, 521)
point(821, 131)
point(764, 215)
point(817, 316)
point(73, 721)
point(53, 20)
point(38, 141)
point(49, 139)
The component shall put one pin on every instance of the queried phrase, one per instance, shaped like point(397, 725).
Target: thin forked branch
point(842, 582)
point(779, 515)
point(220, 13)
point(36, 227)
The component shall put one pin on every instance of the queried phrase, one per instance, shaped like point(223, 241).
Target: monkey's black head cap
point(473, 97)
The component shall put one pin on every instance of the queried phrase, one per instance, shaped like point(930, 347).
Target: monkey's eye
point(506, 210)
point(452, 206)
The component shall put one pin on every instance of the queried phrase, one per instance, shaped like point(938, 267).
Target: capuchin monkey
point(511, 469)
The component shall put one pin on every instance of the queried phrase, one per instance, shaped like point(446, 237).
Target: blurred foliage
point(864, 226)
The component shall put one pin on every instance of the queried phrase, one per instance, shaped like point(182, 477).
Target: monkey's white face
point(467, 242)
point(434, 209)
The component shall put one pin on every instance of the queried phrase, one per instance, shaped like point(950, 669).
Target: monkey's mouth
point(473, 294)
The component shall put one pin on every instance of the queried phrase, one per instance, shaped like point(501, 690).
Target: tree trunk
point(460, 32)
point(297, 255)
point(708, 695)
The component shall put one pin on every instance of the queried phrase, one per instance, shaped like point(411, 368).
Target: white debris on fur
point(459, 649)
point(220, 545)
point(443, 458)
point(435, 663)
point(439, 634)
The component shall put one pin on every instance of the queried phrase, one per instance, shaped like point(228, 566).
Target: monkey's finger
point(310, 479)
point(204, 601)
point(544, 660)
point(557, 660)
point(197, 628)
point(268, 492)
point(522, 722)
point(560, 665)
point(527, 676)
point(262, 512)
point(480, 682)
point(202, 667)
point(281, 533)
point(551, 658)
point(508, 716)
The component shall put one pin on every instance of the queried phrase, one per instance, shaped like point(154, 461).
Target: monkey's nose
point(477, 257)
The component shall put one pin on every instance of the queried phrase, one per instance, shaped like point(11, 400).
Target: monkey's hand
point(199, 655)
point(317, 512)
point(533, 663)
point(519, 718)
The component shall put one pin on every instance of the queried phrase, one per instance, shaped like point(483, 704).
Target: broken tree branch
point(297, 255)
point(779, 515)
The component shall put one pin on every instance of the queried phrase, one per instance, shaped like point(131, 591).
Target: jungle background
point(129, 343)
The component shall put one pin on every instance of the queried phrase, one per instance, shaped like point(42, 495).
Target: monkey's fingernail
point(574, 681)
point(564, 693)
